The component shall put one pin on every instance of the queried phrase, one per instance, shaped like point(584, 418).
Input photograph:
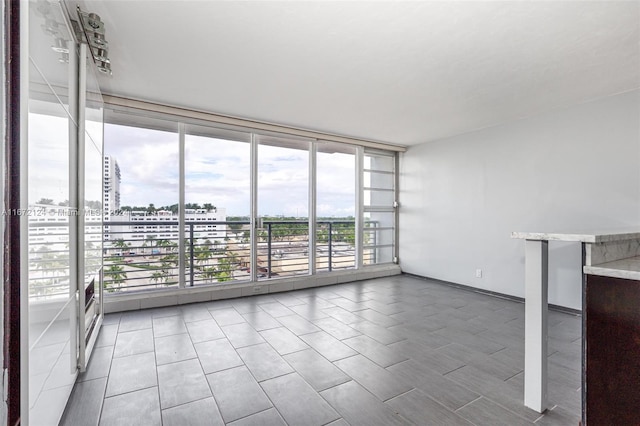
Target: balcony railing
point(144, 254)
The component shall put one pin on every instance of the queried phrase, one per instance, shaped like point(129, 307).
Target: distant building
point(137, 226)
point(112, 178)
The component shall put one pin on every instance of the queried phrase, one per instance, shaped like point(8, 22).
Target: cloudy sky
point(217, 172)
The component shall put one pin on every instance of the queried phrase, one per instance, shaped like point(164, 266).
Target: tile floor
point(398, 350)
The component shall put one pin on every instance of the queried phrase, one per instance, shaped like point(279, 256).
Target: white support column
point(313, 146)
point(535, 346)
point(359, 207)
point(181, 213)
point(254, 208)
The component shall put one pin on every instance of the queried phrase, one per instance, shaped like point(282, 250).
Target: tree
point(47, 201)
point(151, 209)
point(208, 207)
point(64, 203)
point(116, 275)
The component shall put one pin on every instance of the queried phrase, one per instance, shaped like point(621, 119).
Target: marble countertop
point(603, 236)
point(628, 268)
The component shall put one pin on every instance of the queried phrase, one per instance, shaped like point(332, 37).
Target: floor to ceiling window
point(283, 207)
point(217, 205)
point(193, 203)
point(379, 199)
point(141, 233)
point(335, 206)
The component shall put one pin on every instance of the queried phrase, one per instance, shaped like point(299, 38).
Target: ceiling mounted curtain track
point(121, 102)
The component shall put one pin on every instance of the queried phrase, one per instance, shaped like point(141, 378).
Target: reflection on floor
point(398, 350)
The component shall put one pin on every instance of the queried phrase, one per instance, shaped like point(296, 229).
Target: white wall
point(569, 169)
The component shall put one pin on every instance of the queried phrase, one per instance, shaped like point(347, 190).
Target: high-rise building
point(111, 196)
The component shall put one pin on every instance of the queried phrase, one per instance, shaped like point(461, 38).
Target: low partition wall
point(143, 300)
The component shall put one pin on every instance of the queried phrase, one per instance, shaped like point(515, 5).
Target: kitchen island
point(598, 249)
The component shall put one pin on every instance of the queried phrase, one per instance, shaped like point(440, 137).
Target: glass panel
point(379, 237)
point(378, 180)
point(217, 211)
point(379, 198)
point(380, 162)
point(93, 163)
point(335, 206)
point(51, 355)
point(283, 204)
point(140, 200)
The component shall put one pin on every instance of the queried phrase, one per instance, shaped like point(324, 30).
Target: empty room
point(320, 212)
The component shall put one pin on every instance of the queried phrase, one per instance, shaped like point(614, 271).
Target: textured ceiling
point(397, 72)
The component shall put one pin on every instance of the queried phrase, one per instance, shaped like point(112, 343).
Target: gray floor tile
point(136, 320)
point(348, 305)
point(359, 408)
point(202, 331)
point(297, 402)
point(112, 319)
point(480, 360)
point(382, 355)
point(377, 318)
point(339, 422)
point(484, 412)
point(269, 417)
point(237, 393)
point(194, 313)
point(372, 377)
point(99, 364)
point(328, 346)
point(245, 305)
point(264, 362)
point(85, 403)
point(227, 316)
point(283, 340)
point(342, 315)
point(492, 388)
point(438, 387)
point(198, 413)
point(384, 308)
point(276, 309)
point(241, 335)
point(182, 382)
point(133, 342)
point(298, 325)
point(417, 407)
point(174, 348)
point(560, 416)
point(376, 332)
point(261, 320)
point(167, 326)
point(107, 336)
point(435, 360)
point(310, 311)
point(132, 373)
point(217, 355)
point(460, 345)
point(167, 311)
point(136, 408)
point(316, 370)
point(336, 328)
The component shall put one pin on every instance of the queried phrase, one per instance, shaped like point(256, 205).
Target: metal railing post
point(268, 250)
point(191, 259)
point(330, 248)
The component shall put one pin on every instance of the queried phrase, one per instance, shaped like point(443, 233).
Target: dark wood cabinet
point(611, 380)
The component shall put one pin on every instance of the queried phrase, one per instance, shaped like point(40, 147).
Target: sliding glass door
point(217, 205)
point(283, 207)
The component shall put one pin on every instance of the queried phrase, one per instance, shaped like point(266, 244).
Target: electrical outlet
point(478, 273)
